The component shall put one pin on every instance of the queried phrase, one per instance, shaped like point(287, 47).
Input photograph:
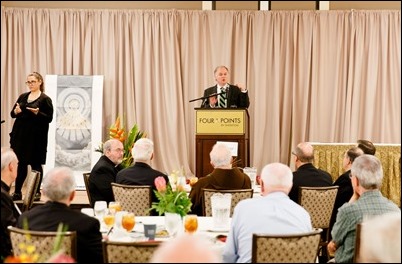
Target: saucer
point(218, 229)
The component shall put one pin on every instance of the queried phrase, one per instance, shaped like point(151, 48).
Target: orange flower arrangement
point(118, 131)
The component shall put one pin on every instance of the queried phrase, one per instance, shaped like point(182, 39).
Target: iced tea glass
point(128, 221)
point(114, 207)
point(190, 223)
point(108, 219)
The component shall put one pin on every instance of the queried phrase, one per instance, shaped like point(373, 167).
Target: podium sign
point(220, 122)
point(229, 125)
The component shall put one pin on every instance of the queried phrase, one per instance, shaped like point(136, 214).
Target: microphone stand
point(206, 97)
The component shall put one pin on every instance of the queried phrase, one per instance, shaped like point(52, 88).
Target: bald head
point(276, 177)
point(187, 248)
point(304, 152)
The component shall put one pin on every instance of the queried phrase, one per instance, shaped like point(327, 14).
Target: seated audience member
point(105, 170)
point(274, 213)
point(306, 174)
point(59, 188)
point(381, 239)
point(9, 213)
point(223, 177)
point(367, 146)
point(141, 172)
point(367, 200)
point(345, 190)
point(187, 248)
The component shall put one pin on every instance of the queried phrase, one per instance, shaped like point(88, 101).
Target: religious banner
point(76, 129)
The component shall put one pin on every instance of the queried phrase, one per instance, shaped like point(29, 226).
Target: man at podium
point(223, 94)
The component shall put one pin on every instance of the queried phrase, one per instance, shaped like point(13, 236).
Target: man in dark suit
point(105, 170)
point(141, 172)
point(234, 96)
point(9, 213)
point(345, 189)
point(59, 188)
point(306, 174)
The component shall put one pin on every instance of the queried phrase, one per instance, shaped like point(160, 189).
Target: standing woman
point(33, 112)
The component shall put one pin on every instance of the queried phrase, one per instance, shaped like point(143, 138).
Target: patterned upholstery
point(319, 202)
point(237, 196)
point(32, 184)
point(133, 198)
point(86, 181)
point(128, 252)
point(297, 248)
point(43, 241)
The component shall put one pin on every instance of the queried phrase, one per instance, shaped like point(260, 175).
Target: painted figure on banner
point(73, 122)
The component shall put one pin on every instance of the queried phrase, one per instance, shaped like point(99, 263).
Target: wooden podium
point(221, 124)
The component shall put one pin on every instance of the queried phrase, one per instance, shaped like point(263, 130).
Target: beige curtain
point(320, 76)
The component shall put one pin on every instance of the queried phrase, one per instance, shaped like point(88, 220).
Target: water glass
point(252, 173)
point(172, 223)
point(100, 209)
point(221, 204)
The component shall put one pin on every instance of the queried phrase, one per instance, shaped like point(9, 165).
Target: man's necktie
point(222, 98)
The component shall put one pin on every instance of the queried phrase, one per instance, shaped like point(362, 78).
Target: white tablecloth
point(205, 227)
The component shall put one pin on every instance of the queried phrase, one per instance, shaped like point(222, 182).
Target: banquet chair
point(319, 203)
point(290, 248)
point(133, 198)
point(43, 241)
point(128, 252)
point(86, 175)
point(237, 196)
point(32, 185)
point(356, 256)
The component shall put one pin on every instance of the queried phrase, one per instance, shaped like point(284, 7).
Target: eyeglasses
point(119, 150)
point(30, 82)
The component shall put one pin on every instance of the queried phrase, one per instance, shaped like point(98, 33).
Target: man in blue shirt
point(274, 213)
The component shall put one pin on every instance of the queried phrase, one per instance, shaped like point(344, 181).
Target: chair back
point(86, 175)
point(133, 198)
point(128, 252)
point(32, 185)
point(319, 202)
point(43, 241)
point(291, 248)
point(237, 196)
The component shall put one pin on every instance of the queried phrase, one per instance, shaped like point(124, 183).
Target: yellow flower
point(29, 254)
